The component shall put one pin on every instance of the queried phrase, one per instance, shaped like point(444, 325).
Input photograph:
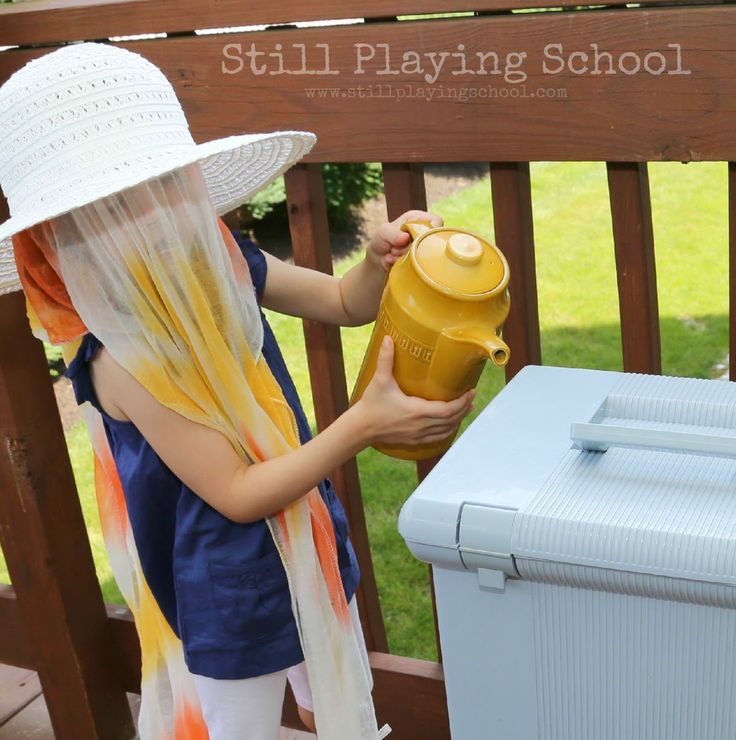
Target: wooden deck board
point(23, 712)
point(32, 721)
point(18, 688)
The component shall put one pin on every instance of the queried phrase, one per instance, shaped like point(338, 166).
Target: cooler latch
point(484, 542)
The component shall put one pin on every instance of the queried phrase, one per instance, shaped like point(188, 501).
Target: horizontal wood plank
point(51, 21)
point(408, 693)
point(18, 687)
point(33, 721)
point(678, 115)
point(15, 646)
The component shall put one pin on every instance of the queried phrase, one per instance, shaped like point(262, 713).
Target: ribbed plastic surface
point(688, 402)
point(651, 512)
point(613, 668)
point(633, 584)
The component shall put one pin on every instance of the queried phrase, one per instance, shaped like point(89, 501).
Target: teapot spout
point(498, 351)
point(485, 341)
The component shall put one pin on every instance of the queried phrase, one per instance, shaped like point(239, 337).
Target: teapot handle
point(416, 226)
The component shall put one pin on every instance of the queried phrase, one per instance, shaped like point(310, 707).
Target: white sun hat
point(90, 119)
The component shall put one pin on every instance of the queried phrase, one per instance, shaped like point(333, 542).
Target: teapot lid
point(460, 262)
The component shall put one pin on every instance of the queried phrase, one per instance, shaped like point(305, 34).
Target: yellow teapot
point(444, 304)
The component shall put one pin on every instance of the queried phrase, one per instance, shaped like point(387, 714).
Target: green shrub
point(346, 185)
point(54, 360)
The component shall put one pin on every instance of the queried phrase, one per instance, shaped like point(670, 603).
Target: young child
point(226, 539)
point(385, 414)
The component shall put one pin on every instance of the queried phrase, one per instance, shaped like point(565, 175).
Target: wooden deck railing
point(677, 105)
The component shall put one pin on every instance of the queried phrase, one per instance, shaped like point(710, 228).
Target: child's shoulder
point(256, 261)
point(88, 348)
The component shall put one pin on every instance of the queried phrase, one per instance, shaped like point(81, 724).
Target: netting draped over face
point(160, 281)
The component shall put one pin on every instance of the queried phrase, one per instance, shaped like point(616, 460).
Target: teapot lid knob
point(464, 249)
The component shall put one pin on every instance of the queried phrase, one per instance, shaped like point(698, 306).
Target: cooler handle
point(599, 437)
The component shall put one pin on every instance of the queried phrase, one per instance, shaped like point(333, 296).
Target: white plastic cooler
point(587, 594)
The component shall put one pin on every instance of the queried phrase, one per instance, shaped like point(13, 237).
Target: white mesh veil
point(106, 248)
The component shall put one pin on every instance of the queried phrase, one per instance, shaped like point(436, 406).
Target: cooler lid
point(502, 458)
point(648, 487)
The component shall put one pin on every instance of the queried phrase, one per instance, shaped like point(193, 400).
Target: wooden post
point(631, 211)
point(310, 237)
point(732, 270)
point(405, 190)
point(512, 217)
point(45, 543)
point(403, 187)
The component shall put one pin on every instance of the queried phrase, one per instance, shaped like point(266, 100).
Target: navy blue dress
point(221, 585)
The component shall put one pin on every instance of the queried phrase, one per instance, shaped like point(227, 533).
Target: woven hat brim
point(234, 167)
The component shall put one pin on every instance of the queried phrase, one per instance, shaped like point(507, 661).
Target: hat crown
point(84, 114)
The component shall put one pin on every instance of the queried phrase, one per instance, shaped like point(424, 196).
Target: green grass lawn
point(578, 309)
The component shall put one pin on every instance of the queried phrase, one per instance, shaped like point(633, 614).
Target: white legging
point(250, 708)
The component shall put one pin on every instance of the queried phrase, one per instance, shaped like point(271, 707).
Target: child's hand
point(392, 417)
point(390, 242)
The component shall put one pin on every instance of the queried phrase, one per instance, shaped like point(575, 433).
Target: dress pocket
point(252, 599)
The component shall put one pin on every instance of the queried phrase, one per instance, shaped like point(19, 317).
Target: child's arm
point(348, 301)
point(206, 462)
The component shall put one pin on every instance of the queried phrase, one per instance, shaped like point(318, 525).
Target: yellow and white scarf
point(160, 281)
